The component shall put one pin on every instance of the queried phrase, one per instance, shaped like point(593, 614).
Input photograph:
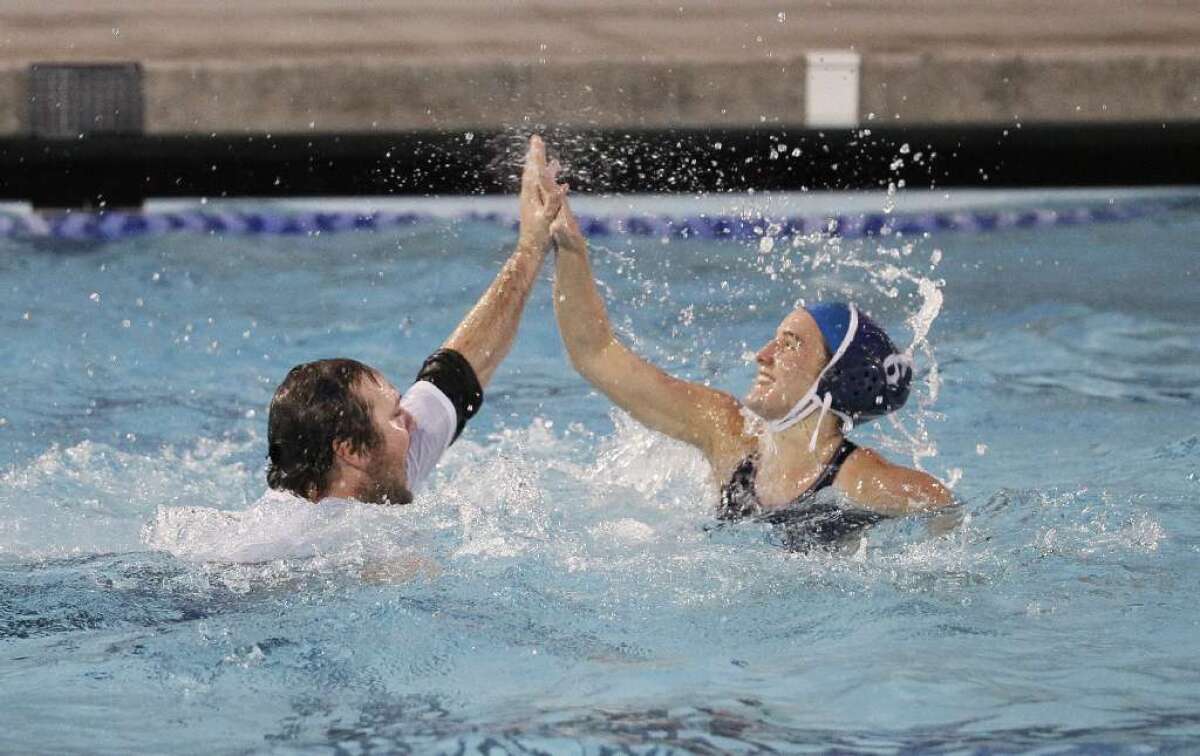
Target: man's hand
point(541, 199)
point(486, 334)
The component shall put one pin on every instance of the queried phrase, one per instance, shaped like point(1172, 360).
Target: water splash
point(90, 497)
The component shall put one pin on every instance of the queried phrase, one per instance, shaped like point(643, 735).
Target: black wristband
point(454, 377)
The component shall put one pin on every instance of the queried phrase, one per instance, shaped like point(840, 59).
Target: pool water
point(555, 589)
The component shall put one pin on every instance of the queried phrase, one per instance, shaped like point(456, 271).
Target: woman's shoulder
point(733, 444)
point(872, 481)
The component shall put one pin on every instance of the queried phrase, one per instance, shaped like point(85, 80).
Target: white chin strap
point(810, 402)
point(805, 407)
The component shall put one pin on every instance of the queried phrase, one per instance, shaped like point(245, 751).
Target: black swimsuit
point(803, 523)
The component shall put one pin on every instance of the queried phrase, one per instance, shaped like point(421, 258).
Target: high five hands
point(542, 198)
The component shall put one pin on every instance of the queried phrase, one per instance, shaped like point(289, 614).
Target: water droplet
point(94, 296)
point(782, 17)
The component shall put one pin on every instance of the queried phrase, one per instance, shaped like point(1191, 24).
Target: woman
point(826, 368)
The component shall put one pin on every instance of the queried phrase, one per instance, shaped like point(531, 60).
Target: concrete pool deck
point(395, 65)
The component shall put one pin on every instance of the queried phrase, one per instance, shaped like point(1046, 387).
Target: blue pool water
point(555, 589)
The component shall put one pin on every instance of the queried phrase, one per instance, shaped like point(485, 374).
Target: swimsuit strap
point(830, 473)
point(738, 498)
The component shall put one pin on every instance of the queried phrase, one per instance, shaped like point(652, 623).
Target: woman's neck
point(795, 453)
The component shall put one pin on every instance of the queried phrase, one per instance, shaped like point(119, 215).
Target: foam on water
point(278, 527)
point(82, 499)
point(533, 497)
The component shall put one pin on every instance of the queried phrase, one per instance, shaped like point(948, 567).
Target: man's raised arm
point(486, 334)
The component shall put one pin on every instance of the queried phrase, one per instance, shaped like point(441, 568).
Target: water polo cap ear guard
point(866, 377)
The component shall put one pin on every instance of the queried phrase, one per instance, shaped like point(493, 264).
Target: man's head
point(336, 428)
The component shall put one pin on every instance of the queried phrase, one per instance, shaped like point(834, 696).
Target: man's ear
point(345, 453)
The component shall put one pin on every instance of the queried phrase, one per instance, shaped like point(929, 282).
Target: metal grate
point(70, 99)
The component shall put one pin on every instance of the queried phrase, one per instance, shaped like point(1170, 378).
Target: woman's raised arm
point(698, 415)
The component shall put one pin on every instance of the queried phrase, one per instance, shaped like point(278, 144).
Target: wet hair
point(314, 407)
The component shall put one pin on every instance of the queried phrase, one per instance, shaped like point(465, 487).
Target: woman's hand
point(565, 228)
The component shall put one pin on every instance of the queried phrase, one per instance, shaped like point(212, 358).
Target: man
point(826, 368)
point(339, 429)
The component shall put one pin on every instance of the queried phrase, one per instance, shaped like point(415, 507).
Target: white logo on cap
point(896, 367)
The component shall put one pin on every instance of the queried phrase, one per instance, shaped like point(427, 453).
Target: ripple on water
point(1092, 354)
point(555, 588)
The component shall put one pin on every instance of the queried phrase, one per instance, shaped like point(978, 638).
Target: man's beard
point(387, 486)
point(391, 493)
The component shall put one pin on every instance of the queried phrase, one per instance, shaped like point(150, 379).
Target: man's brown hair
point(315, 406)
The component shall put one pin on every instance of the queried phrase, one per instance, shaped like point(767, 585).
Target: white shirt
point(281, 525)
point(435, 424)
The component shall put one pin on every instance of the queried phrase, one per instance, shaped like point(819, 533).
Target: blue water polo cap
point(866, 376)
point(833, 318)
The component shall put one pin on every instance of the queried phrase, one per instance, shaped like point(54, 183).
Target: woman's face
point(787, 366)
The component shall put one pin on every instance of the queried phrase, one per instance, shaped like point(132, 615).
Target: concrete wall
point(343, 96)
point(12, 98)
point(1062, 87)
point(926, 89)
point(315, 65)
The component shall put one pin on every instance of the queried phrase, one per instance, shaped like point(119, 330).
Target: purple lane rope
point(115, 225)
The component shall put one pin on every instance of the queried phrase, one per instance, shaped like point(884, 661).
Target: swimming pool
point(555, 589)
